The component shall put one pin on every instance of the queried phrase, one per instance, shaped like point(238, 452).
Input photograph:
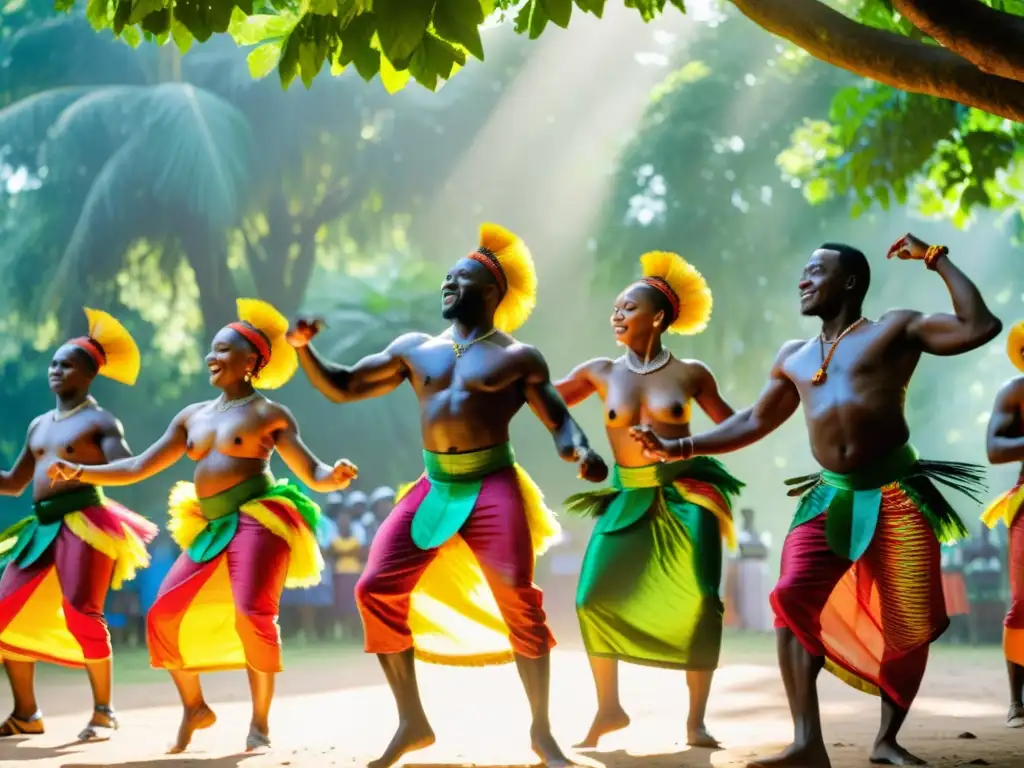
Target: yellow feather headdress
point(111, 346)
point(671, 274)
point(1015, 346)
point(509, 260)
point(281, 361)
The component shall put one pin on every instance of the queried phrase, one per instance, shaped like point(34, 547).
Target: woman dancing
point(648, 591)
point(244, 536)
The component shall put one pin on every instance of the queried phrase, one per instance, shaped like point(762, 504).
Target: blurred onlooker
point(381, 502)
point(311, 609)
point(363, 523)
point(954, 587)
point(983, 572)
point(347, 550)
point(753, 586)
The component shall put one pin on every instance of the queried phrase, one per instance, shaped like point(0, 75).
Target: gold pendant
point(819, 377)
point(459, 349)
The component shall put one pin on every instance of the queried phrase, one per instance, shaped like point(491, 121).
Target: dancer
point(244, 537)
point(1005, 446)
point(648, 589)
point(475, 519)
point(860, 590)
point(62, 559)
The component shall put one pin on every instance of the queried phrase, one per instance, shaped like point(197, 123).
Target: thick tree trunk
point(205, 254)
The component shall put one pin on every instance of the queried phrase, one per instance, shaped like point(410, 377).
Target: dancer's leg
point(196, 713)
point(610, 714)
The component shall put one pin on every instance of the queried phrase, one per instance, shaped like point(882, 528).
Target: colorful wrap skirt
point(1008, 509)
point(60, 563)
point(450, 571)
point(649, 583)
point(217, 608)
point(861, 582)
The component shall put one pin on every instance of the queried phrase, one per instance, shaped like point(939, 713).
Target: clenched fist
point(303, 330)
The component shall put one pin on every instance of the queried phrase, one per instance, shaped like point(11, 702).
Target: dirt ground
point(333, 709)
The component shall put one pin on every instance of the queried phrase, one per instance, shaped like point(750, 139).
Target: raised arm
point(159, 456)
point(970, 326)
point(709, 398)
point(14, 482)
point(581, 382)
point(776, 403)
point(316, 475)
point(550, 408)
point(373, 376)
point(1005, 442)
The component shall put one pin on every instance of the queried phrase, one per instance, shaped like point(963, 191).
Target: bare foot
point(1015, 717)
point(796, 756)
point(410, 736)
point(604, 723)
point(891, 753)
point(698, 736)
point(192, 720)
point(257, 739)
point(547, 749)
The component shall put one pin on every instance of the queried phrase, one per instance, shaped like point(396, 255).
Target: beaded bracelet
point(933, 253)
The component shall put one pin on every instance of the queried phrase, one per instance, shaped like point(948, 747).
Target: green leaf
point(323, 7)
point(817, 191)
point(393, 79)
point(434, 60)
point(559, 11)
point(263, 59)
point(680, 4)
point(357, 48)
point(140, 9)
point(288, 67)
point(132, 36)
point(459, 21)
point(401, 25)
point(182, 37)
point(531, 19)
point(98, 13)
point(158, 23)
point(595, 7)
point(251, 30)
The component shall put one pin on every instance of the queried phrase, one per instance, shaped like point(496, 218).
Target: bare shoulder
point(898, 318)
point(786, 351)
point(695, 368)
point(107, 422)
point(408, 342)
point(272, 413)
point(1011, 394)
point(182, 417)
point(34, 424)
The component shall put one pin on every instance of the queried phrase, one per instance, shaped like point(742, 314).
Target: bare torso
point(229, 446)
point(660, 399)
point(77, 438)
point(467, 402)
point(856, 416)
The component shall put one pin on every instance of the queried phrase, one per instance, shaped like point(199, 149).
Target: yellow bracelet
point(933, 253)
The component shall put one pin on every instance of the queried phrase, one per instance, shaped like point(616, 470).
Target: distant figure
point(753, 583)
point(983, 573)
point(364, 524)
point(381, 501)
point(954, 587)
point(348, 554)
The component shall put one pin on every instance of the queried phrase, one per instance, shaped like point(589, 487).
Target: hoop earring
point(248, 376)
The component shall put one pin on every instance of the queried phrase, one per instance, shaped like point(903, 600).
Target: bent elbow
point(991, 329)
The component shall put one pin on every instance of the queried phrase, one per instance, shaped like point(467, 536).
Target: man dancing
point(1006, 445)
point(475, 519)
point(860, 590)
point(62, 559)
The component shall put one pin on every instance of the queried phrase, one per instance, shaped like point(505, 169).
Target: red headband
point(92, 348)
point(488, 260)
point(667, 292)
point(255, 338)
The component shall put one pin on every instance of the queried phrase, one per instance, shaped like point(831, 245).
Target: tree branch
point(991, 40)
point(885, 57)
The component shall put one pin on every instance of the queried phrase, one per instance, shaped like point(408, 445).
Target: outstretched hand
point(61, 471)
point(908, 248)
point(303, 330)
point(343, 473)
point(654, 447)
point(592, 466)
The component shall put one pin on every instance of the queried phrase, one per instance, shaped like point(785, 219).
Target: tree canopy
point(968, 51)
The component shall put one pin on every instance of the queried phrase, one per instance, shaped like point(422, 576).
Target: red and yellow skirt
point(1007, 508)
point(61, 562)
point(217, 608)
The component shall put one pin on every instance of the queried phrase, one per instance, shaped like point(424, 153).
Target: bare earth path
point(333, 709)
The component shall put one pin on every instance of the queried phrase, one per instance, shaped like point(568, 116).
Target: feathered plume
point(687, 283)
